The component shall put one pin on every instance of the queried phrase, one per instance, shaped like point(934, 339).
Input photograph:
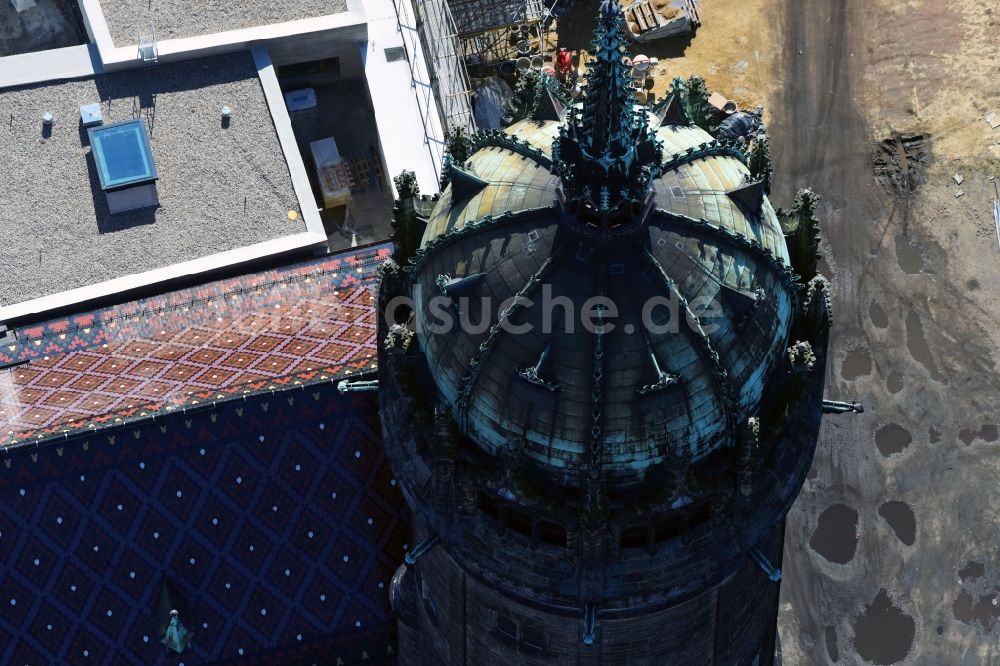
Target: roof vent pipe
point(47, 118)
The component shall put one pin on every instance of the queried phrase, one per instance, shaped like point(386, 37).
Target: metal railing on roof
point(443, 77)
point(149, 52)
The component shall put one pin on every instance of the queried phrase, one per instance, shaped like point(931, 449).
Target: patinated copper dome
point(617, 201)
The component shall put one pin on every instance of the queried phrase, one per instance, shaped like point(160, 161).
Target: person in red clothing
point(564, 64)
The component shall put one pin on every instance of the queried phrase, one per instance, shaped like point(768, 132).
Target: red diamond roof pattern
point(309, 322)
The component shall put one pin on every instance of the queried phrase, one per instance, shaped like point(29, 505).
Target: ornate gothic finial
point(458, 145)
point(177, 637)
point(608, 155)
point(759, 161)
point(698, 108)
point(806, 247)
point(816, 317)
point(801, 357)
point(607, 99)
point(405, 230)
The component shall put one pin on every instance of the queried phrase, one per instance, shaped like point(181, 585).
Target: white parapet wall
point(301, 31)
point(71, 62)
point(121, 287)
point(406, 113)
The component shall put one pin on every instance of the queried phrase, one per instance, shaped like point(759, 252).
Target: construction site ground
point(916, 283)
point(891, 548)
point(733, 50)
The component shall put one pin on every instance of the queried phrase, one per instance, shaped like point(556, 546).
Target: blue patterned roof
point(274, 519)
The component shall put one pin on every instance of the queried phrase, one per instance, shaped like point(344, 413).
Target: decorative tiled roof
point(273, 519)
point(296, 325)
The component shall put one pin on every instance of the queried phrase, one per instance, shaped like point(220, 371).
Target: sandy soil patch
point(734, 50)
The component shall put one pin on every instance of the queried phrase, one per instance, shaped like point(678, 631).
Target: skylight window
point(122, 154)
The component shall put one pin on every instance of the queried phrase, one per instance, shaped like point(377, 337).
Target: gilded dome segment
point(516, 182)
point(537, 133)
point(698, 189)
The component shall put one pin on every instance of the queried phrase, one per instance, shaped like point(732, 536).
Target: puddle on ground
point(894, 383)
point(986, 611)
point(988, 433)
point(836, 535)
point(907, 256)
point(892, 438)
point(968, 611)
point(831, 644)
point(962, 608)
point(883, 634)
point(857, 363)
point(900, 517)
point(971, 571)
point(878, 316)
point(917, 344)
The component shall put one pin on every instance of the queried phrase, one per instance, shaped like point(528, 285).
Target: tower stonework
point(601, 388)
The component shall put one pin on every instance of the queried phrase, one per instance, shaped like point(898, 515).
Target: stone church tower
point(601, 387)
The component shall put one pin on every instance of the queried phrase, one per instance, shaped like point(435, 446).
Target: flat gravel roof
point(220, 188)
point(173, 19)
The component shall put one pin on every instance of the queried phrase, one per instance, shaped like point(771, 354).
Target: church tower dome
point(604, 391)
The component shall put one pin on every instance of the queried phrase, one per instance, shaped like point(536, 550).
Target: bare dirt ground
point(733, 50)
point(916, 300)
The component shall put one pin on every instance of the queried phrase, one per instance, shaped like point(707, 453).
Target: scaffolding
point(494, 31)
point(445, 75)
point(477, 16)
